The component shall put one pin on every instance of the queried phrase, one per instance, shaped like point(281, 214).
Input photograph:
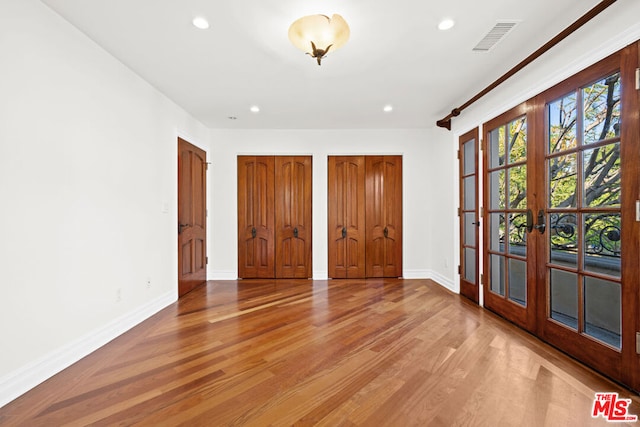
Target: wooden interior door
point(293, 229)
point(469, 216)
point(192, 217)
point(346, 217)
point(256, 244)
point(383, 216)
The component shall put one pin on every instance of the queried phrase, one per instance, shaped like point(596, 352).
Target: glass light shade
point(321, 30)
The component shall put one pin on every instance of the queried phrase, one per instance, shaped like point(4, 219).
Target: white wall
point(88, 164)
point(609, 32)
point(420, 168)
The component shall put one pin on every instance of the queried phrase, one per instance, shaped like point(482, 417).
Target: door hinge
point(482, 212)
point(637, 342)
point(637, 78)
point(482, 145)
point(206, 260)
point(637, 210)
point(459, 212)
point(482, 279)
point(459, 270)
point(458, 154)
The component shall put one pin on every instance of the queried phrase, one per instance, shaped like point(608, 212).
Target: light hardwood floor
point(331, 353)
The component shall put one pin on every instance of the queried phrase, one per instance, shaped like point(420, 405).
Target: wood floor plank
point(329, 353)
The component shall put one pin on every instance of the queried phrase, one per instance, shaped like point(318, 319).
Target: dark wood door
point(192, 217)
point(346, 217)
point(256, 247)
point(383, 216)
point(591, 150)
point(293, 216)
point(562, 229)
point(468, 215)
point(510, 245)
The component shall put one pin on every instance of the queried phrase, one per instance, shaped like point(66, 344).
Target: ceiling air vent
point(497, 33)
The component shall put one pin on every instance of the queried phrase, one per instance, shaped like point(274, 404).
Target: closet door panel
point(256, 217)
point(346, 216)
point(293, 216)
point(384, 216)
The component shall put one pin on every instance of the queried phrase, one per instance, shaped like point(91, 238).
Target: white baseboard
point(443, 281)
point(416, 274)
point(222, 275)
point(27, 377)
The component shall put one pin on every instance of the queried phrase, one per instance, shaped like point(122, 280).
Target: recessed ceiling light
point(445, 24)
point(388, 108)
point(200, 22)
point(255, 109)
point(232, 118)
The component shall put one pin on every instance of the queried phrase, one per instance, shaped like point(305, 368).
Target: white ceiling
point(396, 55)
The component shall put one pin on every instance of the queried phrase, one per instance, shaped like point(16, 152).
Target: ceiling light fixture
point(388, 108)
point(317, 34)
point(200, 22)
point(254, 109)
point(446, 24)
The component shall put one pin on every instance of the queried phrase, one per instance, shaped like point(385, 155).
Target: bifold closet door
point(383, 216)
point(293, 216)
point(346, 204)
point(256, 248)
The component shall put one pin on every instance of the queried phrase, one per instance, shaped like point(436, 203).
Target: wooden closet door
point(255, 217)
point(346, 222)
point(293, 216)
point(384, 216)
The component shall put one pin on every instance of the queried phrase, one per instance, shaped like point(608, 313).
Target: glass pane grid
point(583, 210)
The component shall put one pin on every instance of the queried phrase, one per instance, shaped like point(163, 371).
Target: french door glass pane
point(517, 140)
point(518, 187)
point(498, 191)
point(563, 239)
point(470, 193)
point(518, 281)
point(564, 297)
point(563, 181)
point(469, 152)
point(602, 243)
point(470, 265)
point(602, 317)
point(562, 124)
point(497, 232)
point(601, 115)
point(518, 234)
point(497, 274)
point(602, 176)
point(497, 148)
point(469, 229)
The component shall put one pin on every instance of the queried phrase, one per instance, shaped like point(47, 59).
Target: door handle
point(344, 232)
point(386, 232)
point(529, 221)
point(477, 224)
point(253, 233)
point(181, 226)
point(540, 226)
point(295, 232)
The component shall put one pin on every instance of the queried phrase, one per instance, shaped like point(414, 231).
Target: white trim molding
point(29, 376)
